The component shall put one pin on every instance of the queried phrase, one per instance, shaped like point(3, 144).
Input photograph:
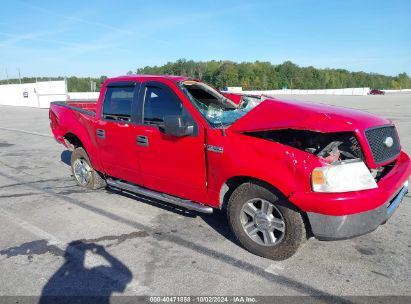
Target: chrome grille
point(377, 139)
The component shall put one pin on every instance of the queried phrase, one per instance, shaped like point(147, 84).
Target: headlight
point(342, 176)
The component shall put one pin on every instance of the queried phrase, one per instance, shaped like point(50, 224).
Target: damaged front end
point(330, 147)
point(346, 170)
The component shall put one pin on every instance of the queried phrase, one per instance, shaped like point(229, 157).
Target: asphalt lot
point(56, 238)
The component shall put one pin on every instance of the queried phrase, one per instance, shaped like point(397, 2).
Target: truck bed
point(85, 107)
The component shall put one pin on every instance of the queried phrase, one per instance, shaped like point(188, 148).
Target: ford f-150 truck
point(282, 170)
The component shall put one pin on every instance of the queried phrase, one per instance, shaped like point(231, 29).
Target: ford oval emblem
point(388, 142)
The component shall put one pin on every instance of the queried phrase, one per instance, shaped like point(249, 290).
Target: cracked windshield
point(217, 109)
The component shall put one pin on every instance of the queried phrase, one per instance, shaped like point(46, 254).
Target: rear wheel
point(264, 223)
point(83, 172)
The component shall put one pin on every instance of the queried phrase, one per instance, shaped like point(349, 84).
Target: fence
point(398, 91)
point(83, 95)
point(38, 94)
point(345, 91)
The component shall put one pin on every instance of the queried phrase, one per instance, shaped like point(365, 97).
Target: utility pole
point(7, 76)
point(19, 75)
point(37, 93)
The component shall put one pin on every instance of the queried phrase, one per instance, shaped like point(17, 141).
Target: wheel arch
point(234, 182)
point(73, 141)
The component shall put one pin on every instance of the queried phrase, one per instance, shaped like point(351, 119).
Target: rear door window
point(117, 103)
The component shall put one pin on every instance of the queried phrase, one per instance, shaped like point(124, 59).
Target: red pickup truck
point(282, 170)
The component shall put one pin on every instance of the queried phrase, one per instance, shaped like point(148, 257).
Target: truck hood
point(278, 114)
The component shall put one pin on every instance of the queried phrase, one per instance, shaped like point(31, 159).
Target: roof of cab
point(148, 77)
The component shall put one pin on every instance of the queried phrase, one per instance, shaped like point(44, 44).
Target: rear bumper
point(326, 227)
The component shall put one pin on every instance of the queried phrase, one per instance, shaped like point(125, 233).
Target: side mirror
point(176, 126)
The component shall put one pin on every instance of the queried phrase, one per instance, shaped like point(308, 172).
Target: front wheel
point(83, 172)
point(264, 223)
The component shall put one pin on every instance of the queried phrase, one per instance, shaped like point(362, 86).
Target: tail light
point(54, 121)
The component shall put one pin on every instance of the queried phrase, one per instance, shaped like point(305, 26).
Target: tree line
point(256, 75)
point(265, 76)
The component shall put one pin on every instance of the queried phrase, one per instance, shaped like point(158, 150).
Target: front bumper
point(354, 202)
point(349, 214)
point(327, 227)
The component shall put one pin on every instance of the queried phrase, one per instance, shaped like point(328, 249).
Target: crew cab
point(282, 170)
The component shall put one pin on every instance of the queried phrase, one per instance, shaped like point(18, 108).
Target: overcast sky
point(93, 38)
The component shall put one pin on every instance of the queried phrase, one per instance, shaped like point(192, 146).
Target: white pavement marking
point(27, 132)
point(134, 285)
point(274, 268)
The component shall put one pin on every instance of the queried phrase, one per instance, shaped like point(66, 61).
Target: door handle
point(142, 140)
point(101, 133)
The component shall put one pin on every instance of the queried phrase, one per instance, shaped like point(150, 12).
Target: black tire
point(95, 179)
point(292, 237)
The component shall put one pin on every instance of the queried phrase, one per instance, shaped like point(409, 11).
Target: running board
point(160, 196)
